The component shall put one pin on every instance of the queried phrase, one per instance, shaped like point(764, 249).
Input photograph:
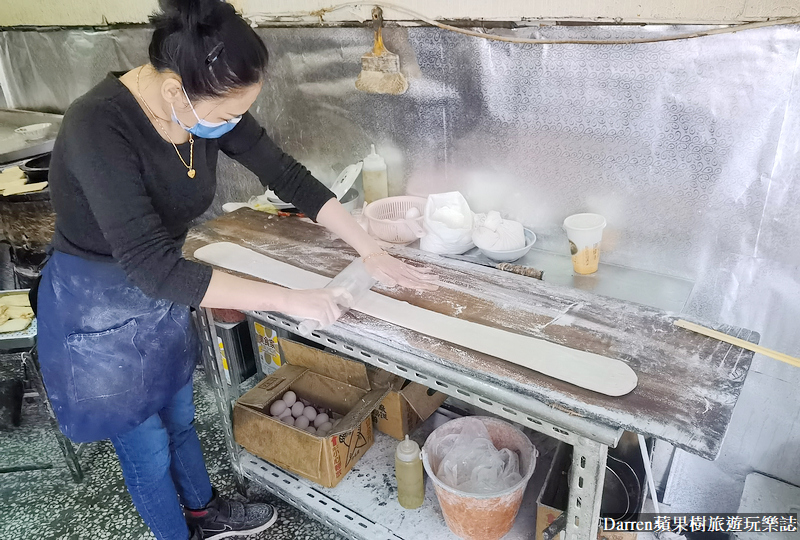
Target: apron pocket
point(107, 363)
point(182, 317)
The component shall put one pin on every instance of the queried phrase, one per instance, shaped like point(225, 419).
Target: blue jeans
point(163, 467)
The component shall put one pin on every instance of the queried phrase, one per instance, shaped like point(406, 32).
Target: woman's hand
point(390, 272)
point(382, 266)
point(323, 305)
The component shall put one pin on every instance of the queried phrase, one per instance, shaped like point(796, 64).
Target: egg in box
point(270, 420)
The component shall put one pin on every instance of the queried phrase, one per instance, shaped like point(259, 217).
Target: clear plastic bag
point(469, 462)
point(448, 224)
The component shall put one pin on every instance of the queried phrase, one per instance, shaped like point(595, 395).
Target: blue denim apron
point(111, 356)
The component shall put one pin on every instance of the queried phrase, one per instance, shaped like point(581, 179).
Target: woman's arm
point(249, 144)
point(325, 305)
point(232, 292)
point(336, 219)
point(226, 291)
point(381, 265)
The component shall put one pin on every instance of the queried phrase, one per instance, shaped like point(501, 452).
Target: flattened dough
point(586, 370)
point(24, 188)
point(15, 299)
point(19, 312)
point(11, 175)
point(14, 325)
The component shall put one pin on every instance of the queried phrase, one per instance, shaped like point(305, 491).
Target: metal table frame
point(590, 440)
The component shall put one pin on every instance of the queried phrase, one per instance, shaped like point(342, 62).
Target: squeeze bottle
point(408, 471)
point(373, 175)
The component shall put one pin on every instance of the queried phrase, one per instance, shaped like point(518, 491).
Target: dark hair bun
point(195, 15)
point(211, 47)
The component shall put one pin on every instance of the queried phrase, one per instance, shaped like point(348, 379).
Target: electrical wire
point(526, 41)
point(627, 495)
point(639, 488)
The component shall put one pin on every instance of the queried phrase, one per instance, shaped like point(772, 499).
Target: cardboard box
point(406, 406)
point(553, 497)
point(326, 380)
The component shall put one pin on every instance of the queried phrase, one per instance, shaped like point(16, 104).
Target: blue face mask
point(203, 128)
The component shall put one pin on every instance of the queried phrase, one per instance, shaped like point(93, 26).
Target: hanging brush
point(380, 68)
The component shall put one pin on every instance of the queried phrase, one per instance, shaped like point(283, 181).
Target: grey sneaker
point(222, 518)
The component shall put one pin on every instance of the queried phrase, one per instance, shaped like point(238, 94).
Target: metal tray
point(18, 340)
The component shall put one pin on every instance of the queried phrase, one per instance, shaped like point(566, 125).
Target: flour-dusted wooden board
point(688, 384)
point(584, 369)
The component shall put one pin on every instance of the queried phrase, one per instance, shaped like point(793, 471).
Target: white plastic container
point(374, 177)
point(33, 132)
point(408, 471)
point(585, 231)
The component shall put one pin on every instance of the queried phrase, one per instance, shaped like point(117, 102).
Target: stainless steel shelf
point(569, 428)
point(364, 505)
point(590, 440)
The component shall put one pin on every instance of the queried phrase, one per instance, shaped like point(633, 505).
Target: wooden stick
point(738, 342)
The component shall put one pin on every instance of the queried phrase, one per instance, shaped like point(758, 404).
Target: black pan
point(37, 169)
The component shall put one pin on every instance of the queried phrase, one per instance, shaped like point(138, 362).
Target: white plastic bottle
point(408, 471)
point(373, 174)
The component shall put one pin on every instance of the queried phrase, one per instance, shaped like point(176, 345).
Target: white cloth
point(494, 233)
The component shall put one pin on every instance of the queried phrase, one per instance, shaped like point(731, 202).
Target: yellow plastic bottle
point(408, 471)
point(373, 175)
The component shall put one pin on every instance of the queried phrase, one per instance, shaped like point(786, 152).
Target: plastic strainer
point(387, 218)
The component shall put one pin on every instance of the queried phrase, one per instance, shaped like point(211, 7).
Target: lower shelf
point(364, 505)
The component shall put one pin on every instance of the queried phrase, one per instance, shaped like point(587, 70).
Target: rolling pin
point(708, 332)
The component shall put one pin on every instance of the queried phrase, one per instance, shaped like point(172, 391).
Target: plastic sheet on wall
point(686, 147)
point(47, 70)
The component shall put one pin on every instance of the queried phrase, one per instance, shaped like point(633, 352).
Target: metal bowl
point(510, 255)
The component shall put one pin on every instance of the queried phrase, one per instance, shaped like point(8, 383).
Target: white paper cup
point(585, 231)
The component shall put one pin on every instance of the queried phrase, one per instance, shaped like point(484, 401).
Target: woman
point(133, 164)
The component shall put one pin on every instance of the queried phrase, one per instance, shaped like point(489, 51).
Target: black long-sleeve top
point(121, 194)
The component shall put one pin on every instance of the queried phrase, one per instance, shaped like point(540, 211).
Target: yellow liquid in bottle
point(376, 185)
point(410, 486)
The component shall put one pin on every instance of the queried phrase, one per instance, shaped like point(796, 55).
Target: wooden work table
point(688, 384)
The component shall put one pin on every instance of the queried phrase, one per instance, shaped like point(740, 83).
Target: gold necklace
point(190, 166)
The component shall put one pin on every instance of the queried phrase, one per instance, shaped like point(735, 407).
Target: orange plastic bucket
point(482, 516)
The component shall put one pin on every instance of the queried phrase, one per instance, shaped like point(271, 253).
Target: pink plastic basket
point(387, 219)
